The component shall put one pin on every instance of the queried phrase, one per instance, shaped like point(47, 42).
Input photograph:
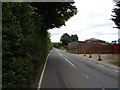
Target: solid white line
point(71, 63)
point(41, 77)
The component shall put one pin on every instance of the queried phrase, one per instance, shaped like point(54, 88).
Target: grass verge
point(69, 51)
point(117, 63)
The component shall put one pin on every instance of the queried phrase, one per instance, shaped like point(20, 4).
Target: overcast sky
point(91, 21)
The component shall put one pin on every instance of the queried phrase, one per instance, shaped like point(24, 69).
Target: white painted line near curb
point(71, 63)
point(41, 77)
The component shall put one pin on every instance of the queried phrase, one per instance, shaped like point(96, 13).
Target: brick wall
point(116, 48)
point(90, 48)
point(94, 48)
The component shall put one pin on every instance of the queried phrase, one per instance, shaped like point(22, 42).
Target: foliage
point(66, 38)
point(57, 45)
point(116, 63)
point(55, 14)
point(74, 38)
point(66, 50)
point(26, 42)
point(70, 51)
point(116, 17)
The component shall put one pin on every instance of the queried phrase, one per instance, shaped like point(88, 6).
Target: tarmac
point(106, 59)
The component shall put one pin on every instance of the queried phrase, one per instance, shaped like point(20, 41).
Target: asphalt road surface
point(65, 70)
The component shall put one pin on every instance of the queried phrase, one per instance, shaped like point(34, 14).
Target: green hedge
point(25, 45)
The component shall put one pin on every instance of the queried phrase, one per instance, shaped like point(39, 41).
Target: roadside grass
point(116, 63)
point(69, 51)
point(62, 48)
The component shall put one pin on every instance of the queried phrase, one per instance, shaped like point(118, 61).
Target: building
point(93, 40)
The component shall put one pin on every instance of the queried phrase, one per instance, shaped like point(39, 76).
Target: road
point(65, 70)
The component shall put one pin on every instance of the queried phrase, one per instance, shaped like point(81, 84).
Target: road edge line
point(41, 77)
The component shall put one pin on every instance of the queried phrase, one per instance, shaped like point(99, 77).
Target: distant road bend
point(65, 70)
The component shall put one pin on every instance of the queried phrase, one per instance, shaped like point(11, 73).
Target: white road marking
point(41, 77)
point(58, 51)
point(86, 76)
point(71, 63)
point(103, 89)
point(116, 70)
point(60, 54)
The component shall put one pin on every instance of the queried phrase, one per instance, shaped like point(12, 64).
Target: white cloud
point(91, 21)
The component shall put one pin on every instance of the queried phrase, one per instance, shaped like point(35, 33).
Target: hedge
point(25, 45)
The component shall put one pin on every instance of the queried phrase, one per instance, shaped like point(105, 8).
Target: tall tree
point(65, 39)
point(116, 16)
point(74, 38)
point(55, 14)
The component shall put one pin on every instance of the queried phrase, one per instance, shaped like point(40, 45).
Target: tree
point(74, 38)
point(116, 17)
point(54, 14)
point(65, 39)
point(57, 45)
